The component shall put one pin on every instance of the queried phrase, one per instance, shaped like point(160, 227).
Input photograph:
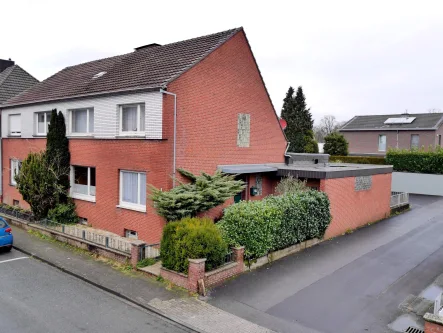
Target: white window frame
point(45, 122)
point(129, 205)
point(13, 167)
point(418, 144)
point(386, 142)
point(16, 133)
point(80, 196)
point(131, 234)
point(71, 123)
point(131, 133)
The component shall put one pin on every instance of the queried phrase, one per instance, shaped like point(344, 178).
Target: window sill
point(14, 136)
point(140, 209)
point(81, 135)
point(83, 197)
point(39, 135)
point(13, 185)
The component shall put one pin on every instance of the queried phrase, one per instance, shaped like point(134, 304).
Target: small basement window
point(131, 234)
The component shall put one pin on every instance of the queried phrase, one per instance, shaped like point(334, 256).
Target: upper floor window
point(132, 119)
point(82, 121)
point(415, 141)
point(43, 121)
point(15, 125)
point(243, 129)
point(382, 142)
point(15, 169)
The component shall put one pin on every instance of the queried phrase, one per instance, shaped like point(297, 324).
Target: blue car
point(6, 238)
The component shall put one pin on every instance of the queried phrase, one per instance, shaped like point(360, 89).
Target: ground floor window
point(133, 190)
point(15, 169)
point(83, 182)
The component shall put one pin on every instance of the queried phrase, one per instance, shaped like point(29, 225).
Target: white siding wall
point(106, 114)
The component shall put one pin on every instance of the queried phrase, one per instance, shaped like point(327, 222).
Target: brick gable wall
point(209, 98)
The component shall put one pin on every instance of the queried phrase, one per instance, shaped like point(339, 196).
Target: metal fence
point(106, 240)
point(399, 199)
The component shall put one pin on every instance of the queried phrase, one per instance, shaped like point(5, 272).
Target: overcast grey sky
point(351, 57)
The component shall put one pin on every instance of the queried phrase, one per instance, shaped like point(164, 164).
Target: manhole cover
point(411, 329)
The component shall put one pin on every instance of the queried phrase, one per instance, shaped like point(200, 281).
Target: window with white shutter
point(15, 125)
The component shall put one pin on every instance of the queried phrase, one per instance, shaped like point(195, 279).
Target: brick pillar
point(196, 271)
point(135, 252)
point(239, 255)
point(433, 323)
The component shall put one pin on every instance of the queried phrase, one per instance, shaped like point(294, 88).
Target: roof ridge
point(21, 68)
point(205, 36)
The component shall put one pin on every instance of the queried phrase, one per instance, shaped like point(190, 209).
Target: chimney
point(148, 46)
point(5, 64)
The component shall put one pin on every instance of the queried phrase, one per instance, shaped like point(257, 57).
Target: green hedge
point(420, 160)
point(275, 222)
point(192, 238)
point(358, 159)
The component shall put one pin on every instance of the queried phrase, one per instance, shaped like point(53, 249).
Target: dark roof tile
point(13, 81)
point(152, 67)
point(376, 122)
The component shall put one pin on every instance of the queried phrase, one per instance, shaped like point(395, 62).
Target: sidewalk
point(133, 286)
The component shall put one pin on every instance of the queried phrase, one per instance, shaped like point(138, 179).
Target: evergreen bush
point(64, 213)
point(416, 160)
point(192, 238)
point(276, 222)
point(359, 159)
point(336, 144)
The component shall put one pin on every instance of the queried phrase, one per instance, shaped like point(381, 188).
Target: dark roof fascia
point(387, 129)
point(98, 94)
point(334, 174)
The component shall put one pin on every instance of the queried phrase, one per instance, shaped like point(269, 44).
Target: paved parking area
point(38, 298)
point(353, 283)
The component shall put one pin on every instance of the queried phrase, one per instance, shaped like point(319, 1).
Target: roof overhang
point(381, 129)
point(81, 96)
point(247, 168)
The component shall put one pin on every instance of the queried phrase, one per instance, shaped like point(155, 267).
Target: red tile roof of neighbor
point(149, 67)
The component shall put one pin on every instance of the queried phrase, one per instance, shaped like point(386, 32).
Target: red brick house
point(125, 114)
point(373, 135)
point(199, 104)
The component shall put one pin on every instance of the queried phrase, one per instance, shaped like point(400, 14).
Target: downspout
point(175, 135)
point(397, 139)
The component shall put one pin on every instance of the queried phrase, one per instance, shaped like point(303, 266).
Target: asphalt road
point(350, 284)
point(38, 298)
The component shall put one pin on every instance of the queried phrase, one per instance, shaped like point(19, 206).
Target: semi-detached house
point(133, 119)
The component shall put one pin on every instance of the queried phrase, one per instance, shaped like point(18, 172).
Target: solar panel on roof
point(400, 120)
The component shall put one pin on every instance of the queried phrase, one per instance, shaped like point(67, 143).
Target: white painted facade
point(106, 115)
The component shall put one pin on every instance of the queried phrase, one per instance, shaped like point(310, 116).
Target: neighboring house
point(373, 135)
point(121, 114)
point(13, 80)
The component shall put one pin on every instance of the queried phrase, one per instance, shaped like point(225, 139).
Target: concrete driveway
point(352, 283)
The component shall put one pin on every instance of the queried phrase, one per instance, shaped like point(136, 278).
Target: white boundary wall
point(417, 183)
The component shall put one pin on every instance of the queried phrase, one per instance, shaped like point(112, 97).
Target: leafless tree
point(434, 110)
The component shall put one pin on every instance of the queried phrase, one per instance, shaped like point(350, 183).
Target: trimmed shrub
point(192, 238)
point(416, 160)
point(290, 185)
point(252, 224)
point(359, 159)
point(276, 222)
point(64, 213)
point(336, 144)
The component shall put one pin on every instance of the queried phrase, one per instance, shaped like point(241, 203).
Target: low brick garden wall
point(196, 273)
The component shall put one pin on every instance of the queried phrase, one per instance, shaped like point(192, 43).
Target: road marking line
point(1, 262)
